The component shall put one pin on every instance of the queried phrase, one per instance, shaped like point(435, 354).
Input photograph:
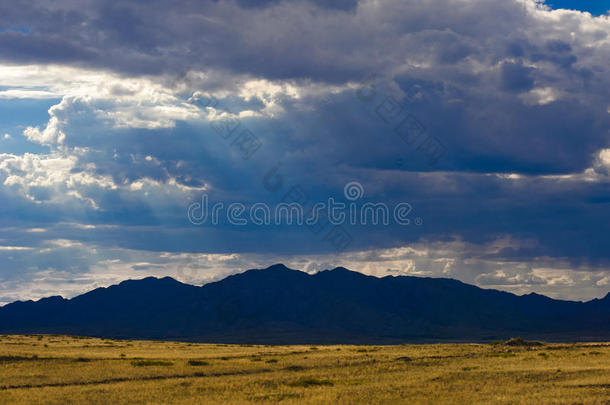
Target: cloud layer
point(148, 103)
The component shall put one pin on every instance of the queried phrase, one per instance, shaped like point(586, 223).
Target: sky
point(595, 7)
point(487, 121)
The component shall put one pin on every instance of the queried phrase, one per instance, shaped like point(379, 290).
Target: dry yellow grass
point(66, 370)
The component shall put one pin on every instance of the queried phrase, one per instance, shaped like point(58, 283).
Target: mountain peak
point(278, 267)
point(342, 272)
point(151, 279)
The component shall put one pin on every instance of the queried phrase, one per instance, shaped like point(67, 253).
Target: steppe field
point(51, 369)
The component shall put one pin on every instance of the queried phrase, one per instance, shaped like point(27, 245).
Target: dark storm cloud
point(517, 98)
point(516, 77)
point(331, 4)
point(275, 39)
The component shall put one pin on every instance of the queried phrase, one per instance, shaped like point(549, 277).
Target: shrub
point(521, 342)
point(198, 363)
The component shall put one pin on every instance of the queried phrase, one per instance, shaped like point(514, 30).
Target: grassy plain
point(50, 369)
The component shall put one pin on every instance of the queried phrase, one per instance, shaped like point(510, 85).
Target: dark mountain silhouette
point(280, 305)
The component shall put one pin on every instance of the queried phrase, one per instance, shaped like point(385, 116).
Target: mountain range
point(278, 305)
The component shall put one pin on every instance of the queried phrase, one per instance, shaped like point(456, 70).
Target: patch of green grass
point(501, 354)
point(146, 363)
point(367, 350)
point(10, 359)
point(310, 382)
point(295, 368)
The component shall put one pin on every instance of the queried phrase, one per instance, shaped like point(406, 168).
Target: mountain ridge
point(282, 305)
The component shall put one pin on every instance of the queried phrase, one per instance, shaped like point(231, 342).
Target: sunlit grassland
point(50, 369)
